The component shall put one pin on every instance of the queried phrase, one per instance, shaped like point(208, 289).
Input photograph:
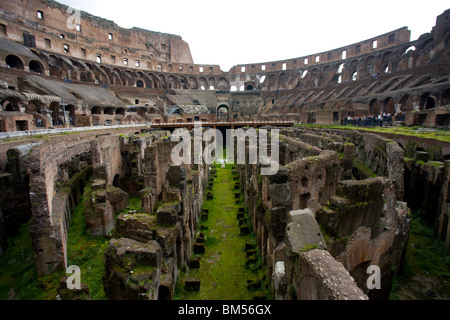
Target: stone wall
point(310, 204)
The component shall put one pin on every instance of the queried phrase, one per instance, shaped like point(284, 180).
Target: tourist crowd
point(381, 120)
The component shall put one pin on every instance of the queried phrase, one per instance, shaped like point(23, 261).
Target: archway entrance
point(222, 113)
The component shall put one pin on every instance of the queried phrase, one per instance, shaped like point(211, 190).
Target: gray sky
point(235, 32)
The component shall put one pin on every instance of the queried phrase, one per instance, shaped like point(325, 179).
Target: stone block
point(167, 215)
point(191, 284)
point(72, 294)
point(279, 280)
point(175, 174)
point(132, 269)
point(194, 262)
point(280, 194)
point(199, 248)
point(302, 232)
point(137, 226)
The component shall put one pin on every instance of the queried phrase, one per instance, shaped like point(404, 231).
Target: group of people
point(380, 120)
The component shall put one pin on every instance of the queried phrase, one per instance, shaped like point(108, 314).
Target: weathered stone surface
point(167, 214)
point(302, 232)
point(72, 294)
point(117, 198)
point(176, 176)
point(132, 269)
point(358, 203)
point(321, 277)
point(99, 217)
point(98, 184)
point(279, 280)
point(280, 193)
point(138, 226)
point(167, 238)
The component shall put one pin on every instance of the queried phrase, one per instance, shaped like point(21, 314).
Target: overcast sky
point(231, 32)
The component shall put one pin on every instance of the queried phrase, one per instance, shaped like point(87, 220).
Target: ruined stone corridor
point(230, 268)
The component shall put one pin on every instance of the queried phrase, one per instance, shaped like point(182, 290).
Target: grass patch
point(87, 252)
point(441, 135)
point(18, 279)
point(223, 270)
point(425, 256)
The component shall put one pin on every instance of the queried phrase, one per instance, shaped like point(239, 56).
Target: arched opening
point(410, 49)
point(9, 105)
point(427, 101)
point(139, 84)
point(261, 80)
point(34, 106)
point(233, 88)
point(354, 76)
point(389, 106)
point(120, 111)
point(109, 110)
point(56, 114)
point(222, 113)
point(14, 62)
point(36, 66)
point(341, 67)
point(249, 87)
point(430, 103)
point(96, 110)
point(406, 103)
point(116, 181)
point(374, 107)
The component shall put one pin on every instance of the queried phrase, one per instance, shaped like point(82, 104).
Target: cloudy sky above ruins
point(250, 31)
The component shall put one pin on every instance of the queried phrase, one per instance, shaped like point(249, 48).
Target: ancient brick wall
point(358, 222)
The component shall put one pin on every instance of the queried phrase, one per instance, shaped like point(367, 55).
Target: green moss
point(425, 257)
point(223, 268)
point(440, 135)
point(364, 169)
point(309, 247)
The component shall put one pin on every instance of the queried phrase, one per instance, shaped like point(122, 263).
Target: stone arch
point(282, 80)
point(406, 103)
point(139, 83)
point(387, 65)
point(162, 81)
point(374, 107)
point(56, 110)
point(172, 82)
point(153, 81)
point(212, 82)
point(36, 66)
point(389, 105)
point(109, 110)
point(183, 82)
point(10, 104)
point(120, 111)
point(272, 81)
point(193, 83)
point(202, 83)
point(427, 101)
point(96, 110)
point(222, 112)
point(35, 106)
point(14, 62)
point(369, 66)
point(222, 84)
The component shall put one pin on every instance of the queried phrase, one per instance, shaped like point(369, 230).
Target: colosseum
point(91, 114)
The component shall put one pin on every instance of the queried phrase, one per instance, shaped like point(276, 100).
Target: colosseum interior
point(87, 120)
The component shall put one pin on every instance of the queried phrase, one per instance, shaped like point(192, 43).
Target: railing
point(222, 123)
